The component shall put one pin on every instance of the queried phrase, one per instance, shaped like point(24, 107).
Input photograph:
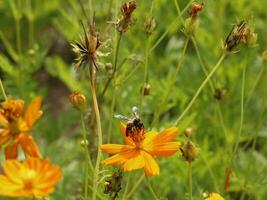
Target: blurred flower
point(87, 49)
point(126, 20)
point(14, 126)
point(141, 149)
point(78, 100)
point(214, 196)
point(191, 23)
point(241, 33)
point(31, 178)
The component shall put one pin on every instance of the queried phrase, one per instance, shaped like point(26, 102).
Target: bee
point(236, 35)
point(133, 125)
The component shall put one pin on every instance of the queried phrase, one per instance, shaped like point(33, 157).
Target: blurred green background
point(36, 59)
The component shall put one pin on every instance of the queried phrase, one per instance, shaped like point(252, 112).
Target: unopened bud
point(145, 90)
point(78, 100)
point(188, 132)
point(84, 143)
point(189, 151)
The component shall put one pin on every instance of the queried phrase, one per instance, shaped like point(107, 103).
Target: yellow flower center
point(29, 177)
point(18, 126)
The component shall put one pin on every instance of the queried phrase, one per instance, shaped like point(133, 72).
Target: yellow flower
point(32, 178)
point(141, 149)
point(14, 127)
point(214, 196)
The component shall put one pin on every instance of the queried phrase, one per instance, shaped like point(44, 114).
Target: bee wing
point(135, 112)
point(121, 117)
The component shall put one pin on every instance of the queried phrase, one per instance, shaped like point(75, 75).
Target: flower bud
point(84, 143)
point(78, 100)
point(188, 132)
point(189, 151)
point(145, 90)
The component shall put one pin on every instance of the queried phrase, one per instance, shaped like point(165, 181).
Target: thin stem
point(135, 186)
point(126, 187)
point(87, 158)
point(171, 82)
point(151, 189)
point(99, 130)
point(203, 84)
point(91, 10)
point(172, 24)
point(190, 180)
point(3, 90)
point(115, 66)
point(241, 111)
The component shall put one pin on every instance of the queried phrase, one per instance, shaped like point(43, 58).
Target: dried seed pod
point(150, 25)
point(126, 20)
point(145, 90)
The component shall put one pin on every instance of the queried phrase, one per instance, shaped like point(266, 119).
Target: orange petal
point(120, 158)
point(3, 121)
point(29, 146)
point(11, 169)
point(166, 136)
point(136, 162)
point(151, 166)
point(33, 112)
point(115, 148)
point(4, 136)
point(163, 149)
point(7, 187)
point(128, 140)
point(11, 151)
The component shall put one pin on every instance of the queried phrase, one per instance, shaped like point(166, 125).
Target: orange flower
point(14, 126)
point(32, 178)
point(141, 149)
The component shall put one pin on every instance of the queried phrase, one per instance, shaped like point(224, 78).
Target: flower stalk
point(199, 90)
point(151, 189)
point(99, 130)
point(190, 181)
point(3, 90)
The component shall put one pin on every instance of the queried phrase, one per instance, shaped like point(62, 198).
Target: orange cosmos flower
point(32, 178)
point(141, 149)
point(14, 127)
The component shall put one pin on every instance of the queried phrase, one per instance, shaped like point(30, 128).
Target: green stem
point(241, 111)
point(135, 186)
point(126, 187)
point(113, 75)
point(3, 90)
point(99, 130)
point(18, 39)
point(171, 82)
point(151, 189)
point(201, 87)
point(190, 180)
point(86, 156)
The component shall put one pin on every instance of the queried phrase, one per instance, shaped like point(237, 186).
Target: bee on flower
point(31, 178)
point(141, 147)
point(14, 127)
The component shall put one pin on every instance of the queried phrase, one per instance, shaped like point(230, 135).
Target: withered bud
point(145, 90)
point(219, 93)
point(195, 9)
point(150, 25)
point(188, 132)
point(126, 20)
point(189, 151)
point(113, 185)
point(78, 100)
point(192, 23)
point(241, 33)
